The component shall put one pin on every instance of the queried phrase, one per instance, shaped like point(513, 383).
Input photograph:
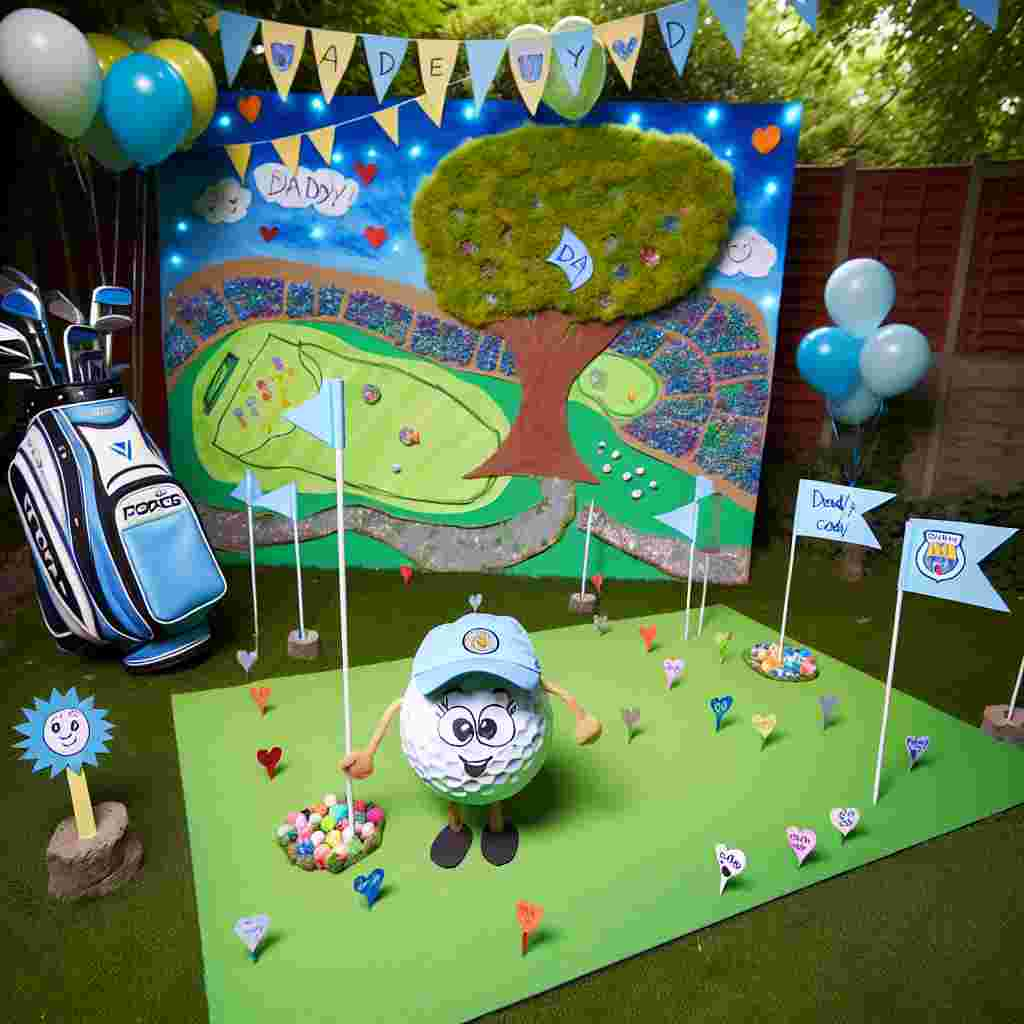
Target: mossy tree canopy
point(652, 209)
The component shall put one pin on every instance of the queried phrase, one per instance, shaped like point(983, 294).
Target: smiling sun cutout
point(63, 732)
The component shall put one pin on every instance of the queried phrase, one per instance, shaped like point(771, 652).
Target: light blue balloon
point(857, 409)
point(829, 360)
point(859, 295)
point(148, 107)
point(895, 359)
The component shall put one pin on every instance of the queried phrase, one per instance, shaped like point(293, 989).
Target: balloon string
point(117, 223)
point(135, 281)
point(89, 195)
point(142, 288)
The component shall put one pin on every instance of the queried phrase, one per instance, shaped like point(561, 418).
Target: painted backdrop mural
point(481, 423)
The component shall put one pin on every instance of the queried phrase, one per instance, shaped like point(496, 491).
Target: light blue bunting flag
point(985, 10)
point(732, 15)
point(484, 59)
point(573, 50)
point(236, 35)
point(836, 512)
point(678, 24)
point(808, 10)
point(384, 56)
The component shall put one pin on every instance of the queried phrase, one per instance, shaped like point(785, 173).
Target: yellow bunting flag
point(332, 51)
point(283, 46)
point(288, 150)
point(239, 155)
point(622, 39)
point(323, 139)
point(212, 24)
point(529, 56)
point(388, 120)
point(437, 62)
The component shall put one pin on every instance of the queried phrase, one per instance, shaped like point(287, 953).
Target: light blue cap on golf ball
point(491, 644)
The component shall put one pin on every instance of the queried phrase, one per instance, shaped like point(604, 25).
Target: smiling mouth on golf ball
point(474, 769)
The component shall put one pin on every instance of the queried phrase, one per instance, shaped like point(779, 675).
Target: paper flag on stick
point(529, 916)
point(573, 51)
point(834, 512)
point(248, 490)
point(678, 24)
point(529, 57)
point(236, 36)
point(732, 14)
point(323, 415)
point(332, 52)
point(437, 62)
point(384, 56)
point(730, 864)
point(941, 556)
point(571, 256)
point(845, 819)
point(284, 501)
point(252, 931)
point(802, 842)
point(283, 46)
point(622, 39)
point(484, 58)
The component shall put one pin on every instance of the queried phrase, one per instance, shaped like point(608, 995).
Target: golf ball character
point(66, 732)
point(475, 724)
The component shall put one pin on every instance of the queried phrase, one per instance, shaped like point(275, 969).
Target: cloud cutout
point(748, 253)
point(329, 193)
point(227, 202)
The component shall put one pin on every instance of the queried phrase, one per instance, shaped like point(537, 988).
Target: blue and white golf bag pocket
point(116, 541)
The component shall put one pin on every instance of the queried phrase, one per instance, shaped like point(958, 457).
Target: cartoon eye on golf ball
point(66, 732)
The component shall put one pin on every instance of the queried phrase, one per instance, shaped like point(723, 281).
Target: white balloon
point(50, 69)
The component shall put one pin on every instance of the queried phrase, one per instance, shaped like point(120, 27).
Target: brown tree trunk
point(851, 564)
point(550, 352)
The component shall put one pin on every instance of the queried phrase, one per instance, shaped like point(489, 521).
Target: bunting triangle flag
point(248, 491)
point(239, 155)
point(484, 59)
point(284, 501)
point(433, 108)
point(384, 56)
point(283, 46)
point(678, 24)
point(732, 15)
point(288, 150)
point(623, 39)
point(573, 52)
point(986, 10)
point(529, 56)
point(323, 139)
point(236, 36)
point(332, 52)
point(323, 415)
point(437, 62)
point(808, 10)
point(212, 24)
point(388, 120)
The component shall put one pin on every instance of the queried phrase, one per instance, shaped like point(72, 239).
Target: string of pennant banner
point(530, 57)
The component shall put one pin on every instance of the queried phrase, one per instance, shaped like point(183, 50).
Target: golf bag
point(120, 555)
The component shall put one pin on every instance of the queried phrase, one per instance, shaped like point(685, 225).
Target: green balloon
point(558, 96)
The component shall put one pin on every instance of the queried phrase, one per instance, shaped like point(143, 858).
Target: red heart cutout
point(366, 172)
point(375, 236)
point(406, 572)
point(649, 633)
point(249, 107)
point(260, 694)
point(269, 234)
point(598, 580)
point(269, 759)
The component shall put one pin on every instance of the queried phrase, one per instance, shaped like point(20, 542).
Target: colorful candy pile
point(797, 663)
point(321, 836)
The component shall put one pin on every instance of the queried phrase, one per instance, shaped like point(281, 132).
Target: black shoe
point(449, 847)
point(499, 848)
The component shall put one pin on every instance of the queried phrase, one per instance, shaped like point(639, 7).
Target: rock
point(82, 868)
point(584, 604)
point(307, 648)
point(994, 724)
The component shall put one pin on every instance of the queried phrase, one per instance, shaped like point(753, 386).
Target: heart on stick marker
point(649, 633)
point(406, 571)
point(845, 819)
point(601, 624)
point(370, 885)
point(260, 694)
point(916, 746)
point(631, 718)
point(828, 705)
point(720, 708)
point(598, 581)
point(252, 930)
point(802, 842)
point(270, 759)
point(246, 659)
point(475, 600)
point(765, 726)
point(730, 864)
point(673, 670)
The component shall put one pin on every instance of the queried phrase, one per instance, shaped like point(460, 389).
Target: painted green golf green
point(603, 829)
point(239, 401)
point(617, 385)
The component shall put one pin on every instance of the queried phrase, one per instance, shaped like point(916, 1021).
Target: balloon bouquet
point(857, 364)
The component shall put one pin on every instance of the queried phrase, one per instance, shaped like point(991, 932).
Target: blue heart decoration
point(370, 885)
point(828, 705)
point(281, 54)
point(623, 49)
point(720, 708)
point(916, 746)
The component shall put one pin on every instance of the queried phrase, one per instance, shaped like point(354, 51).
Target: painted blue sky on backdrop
point(189, 242)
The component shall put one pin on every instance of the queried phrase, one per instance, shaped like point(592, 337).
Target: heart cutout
point(764, 724)
point(376, 236)
point(269, 759)
point(631, 716)
point(251, 930)
point(828, 705)
point(260, 694)
point(249, 107)
point(766, 139)
point(601, 623)
point(475, 601)
point(269, 234)
point(246, 659)
point(802, 842)
point(649, 633)
point(845, 819)
point(406, 571)
point(916, 746)
point(720, 707)
point(598, 581)
point(730, 863)
point(624, 48)
point(366, 172)
point(673, 670)
point(370, 885)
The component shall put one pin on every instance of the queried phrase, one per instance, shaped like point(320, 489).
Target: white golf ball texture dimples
point(627, 477)
point(477, 744)
point(637, 494)
point(653, 485)
point(606, 468)
point(616, 454)
point(66, 732)
point(640, 470)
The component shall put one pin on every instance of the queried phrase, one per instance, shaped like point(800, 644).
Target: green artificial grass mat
point(616, 840)
point(929, 932)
